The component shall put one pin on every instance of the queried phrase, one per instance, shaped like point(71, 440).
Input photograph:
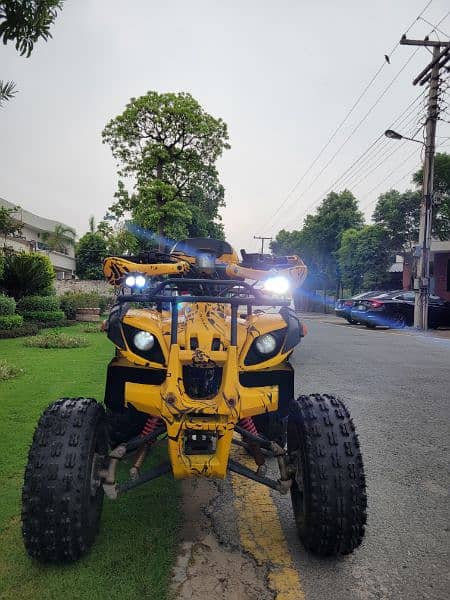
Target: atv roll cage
point(254, 298)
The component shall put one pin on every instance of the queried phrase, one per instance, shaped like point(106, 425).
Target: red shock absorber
point(150, 425)
point(248, 425)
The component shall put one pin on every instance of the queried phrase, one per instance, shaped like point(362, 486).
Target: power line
point(357, 127)
point(344, 120)
point(368, 155)
point(410, 133)
point(362, 171)
point(347, 139)
point(385, 178)
point(435, 28)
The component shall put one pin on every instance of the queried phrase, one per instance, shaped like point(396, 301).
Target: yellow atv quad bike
point(201, 362)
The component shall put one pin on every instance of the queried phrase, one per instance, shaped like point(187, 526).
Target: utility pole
point(441, 55)
point(263, 239)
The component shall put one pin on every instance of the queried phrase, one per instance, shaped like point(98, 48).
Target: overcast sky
point(282, 74)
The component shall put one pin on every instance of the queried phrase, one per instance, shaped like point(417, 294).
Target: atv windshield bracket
point(239, 293)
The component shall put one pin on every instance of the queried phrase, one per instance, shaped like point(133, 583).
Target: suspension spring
point(150, 425)
point(248, 425)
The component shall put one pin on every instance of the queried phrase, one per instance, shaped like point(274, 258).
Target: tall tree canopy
point(441, 182)
point(25, 22)
point(364, 258)
point(89, 254)
point(168, 145)
point(320, 238)
point(398, 214)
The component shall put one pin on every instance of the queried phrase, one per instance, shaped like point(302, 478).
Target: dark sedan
point(343, 306)
point(396, 310)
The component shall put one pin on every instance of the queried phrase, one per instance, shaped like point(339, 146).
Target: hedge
point(32, 328)
point(38, 303)
point(10, 321)
point(7, 305)
point(27, 329)
point(43, 315)
point(70, 301)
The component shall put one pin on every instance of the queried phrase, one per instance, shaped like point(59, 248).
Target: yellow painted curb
point(262, 536)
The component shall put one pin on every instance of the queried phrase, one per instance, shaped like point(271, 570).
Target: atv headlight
point(143, 340)
point(266, 343)
point(140, 281)
point(135, 281)
point(277, 285)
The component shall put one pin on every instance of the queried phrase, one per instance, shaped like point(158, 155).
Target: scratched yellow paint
point(262, 536)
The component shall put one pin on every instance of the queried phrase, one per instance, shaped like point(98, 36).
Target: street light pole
point(441, 56)
point(422, 282)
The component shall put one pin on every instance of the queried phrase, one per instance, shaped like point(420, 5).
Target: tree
point(7, 91)
point(168, 145)
point(398, 214)
point(287, 242)
point(441, 200)
point(27, 274)
point(25, 22)
point(320, 238)
point(364, 258)
point(58, 239)
point(89, 254)
point(8, 224)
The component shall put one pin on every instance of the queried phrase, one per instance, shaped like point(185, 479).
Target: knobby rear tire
point(329, 491)
point(61, 498)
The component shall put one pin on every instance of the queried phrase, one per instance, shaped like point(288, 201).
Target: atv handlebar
point(257, 299)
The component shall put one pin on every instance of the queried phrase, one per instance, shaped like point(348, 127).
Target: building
point(439, 270)
point(31, 240)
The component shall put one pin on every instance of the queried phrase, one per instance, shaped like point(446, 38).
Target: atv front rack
point(245, 295)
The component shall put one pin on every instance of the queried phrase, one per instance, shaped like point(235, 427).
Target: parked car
point(396, 310)
point(343, 306)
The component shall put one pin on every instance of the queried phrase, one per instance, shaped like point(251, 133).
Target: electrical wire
point(344, 120)
point(364, 207)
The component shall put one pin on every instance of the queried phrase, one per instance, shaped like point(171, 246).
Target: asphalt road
point(397, 386)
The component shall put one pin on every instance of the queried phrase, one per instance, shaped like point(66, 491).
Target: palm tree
point(58, 239)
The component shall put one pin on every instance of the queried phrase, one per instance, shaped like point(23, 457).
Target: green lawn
point(134, 552)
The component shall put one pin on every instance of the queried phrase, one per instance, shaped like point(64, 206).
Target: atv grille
point(201, 383)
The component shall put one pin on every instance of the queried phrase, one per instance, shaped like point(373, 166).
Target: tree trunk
point(160, 201)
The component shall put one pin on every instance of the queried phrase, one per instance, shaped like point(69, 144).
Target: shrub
point(27, 273)
point(26, 329)
point(33, 303)
point(10, 321)
point(44, 315)
point(55, 339)
point(8, 371)
point(70, 301)
point(7, 305)
point(92, 328)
